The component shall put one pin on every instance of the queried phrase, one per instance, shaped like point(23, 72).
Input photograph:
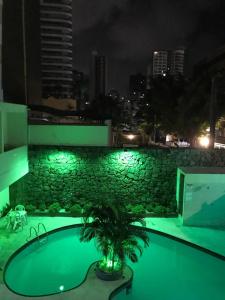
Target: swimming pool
point(168, 269)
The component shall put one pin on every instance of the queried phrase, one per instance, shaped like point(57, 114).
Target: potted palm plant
point(111, 227)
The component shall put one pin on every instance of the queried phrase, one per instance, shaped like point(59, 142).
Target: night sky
point(127, 31)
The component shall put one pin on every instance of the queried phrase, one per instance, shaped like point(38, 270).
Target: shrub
point(54, 208)
point(30, 207)
point(67, 206)
point(138, 209)
point(129, 207)
point(42, 206)
point(5, 209)
point(86, 207)
point(75, 209)
point(160, 210)
point(150, 207)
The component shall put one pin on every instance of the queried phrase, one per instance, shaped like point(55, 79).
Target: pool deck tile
point(91, 289)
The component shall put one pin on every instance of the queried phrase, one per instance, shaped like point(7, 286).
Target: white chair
point(18, 221)
point(20, 209)
point(8, 218)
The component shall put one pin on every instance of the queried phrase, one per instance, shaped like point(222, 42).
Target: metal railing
point(37, 232)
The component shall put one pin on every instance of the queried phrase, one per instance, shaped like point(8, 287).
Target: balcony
point(13, 147)
point(13, 126)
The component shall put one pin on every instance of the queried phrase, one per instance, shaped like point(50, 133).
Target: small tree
point(116, 238)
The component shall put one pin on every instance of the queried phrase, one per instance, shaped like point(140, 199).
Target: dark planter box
point(108, 276)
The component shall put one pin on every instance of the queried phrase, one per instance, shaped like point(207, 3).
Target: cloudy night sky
point(127, 31)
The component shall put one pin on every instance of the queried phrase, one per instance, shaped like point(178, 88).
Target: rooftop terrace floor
point(211, 239)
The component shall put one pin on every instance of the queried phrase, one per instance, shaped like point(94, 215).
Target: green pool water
point(167, 269)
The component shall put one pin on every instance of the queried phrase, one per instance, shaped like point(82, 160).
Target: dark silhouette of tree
point(159, 109)
point(103, 108)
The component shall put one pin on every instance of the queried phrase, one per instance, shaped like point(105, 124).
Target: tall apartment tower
point(168, 62)
point(98, 78)
point(177, 61)
point(160, 63)
point(56, 48)
point(21, 73)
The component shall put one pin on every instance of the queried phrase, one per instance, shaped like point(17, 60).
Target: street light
point(130, 137)
point(204, 141)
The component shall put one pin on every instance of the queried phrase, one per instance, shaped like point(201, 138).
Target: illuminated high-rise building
point(56, 48)
point(21, 73)
point(168, 62)
point(37, 50)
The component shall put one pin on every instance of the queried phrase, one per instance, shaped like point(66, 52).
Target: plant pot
point(108, 276)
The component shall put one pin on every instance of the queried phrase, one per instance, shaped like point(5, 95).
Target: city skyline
point(128, 31)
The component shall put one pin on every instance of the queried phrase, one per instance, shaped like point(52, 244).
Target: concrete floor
point(212, 239)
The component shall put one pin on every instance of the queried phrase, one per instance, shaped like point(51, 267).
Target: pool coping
point(154, 231)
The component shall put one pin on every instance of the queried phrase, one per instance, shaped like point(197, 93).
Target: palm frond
point(113, 231)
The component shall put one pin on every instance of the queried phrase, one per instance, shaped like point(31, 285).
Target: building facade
point(56, 48)
point(168, 62)
point(98, 78)
point(21, 73)
point(37, 50)
point(159, 63)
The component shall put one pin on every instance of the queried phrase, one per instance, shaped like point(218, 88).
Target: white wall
point(4, 198)
point(204, 200)
point(14, 165)
point(13, 125)
point(71, 135)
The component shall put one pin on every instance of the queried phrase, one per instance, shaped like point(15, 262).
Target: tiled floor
point(10, 241)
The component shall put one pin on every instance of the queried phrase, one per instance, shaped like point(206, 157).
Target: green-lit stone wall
point(69, 174)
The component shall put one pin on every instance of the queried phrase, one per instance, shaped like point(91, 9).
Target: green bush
point(42, 206)
point(75, 209)
point(54, 208)
point(5, 210)
point(87, 206)
point(67, 206)
point(30, 207)
point(129, 207)
point(150, 207)
point(160, 210)
point(136, 209)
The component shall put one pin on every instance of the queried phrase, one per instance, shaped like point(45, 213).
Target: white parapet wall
point(201, 196)
point(69, 135)
point(13, 147)
point(13, 126)
point(14, 165)
point(4, 199)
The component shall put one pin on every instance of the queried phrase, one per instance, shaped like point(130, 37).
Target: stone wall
point(69, 174)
